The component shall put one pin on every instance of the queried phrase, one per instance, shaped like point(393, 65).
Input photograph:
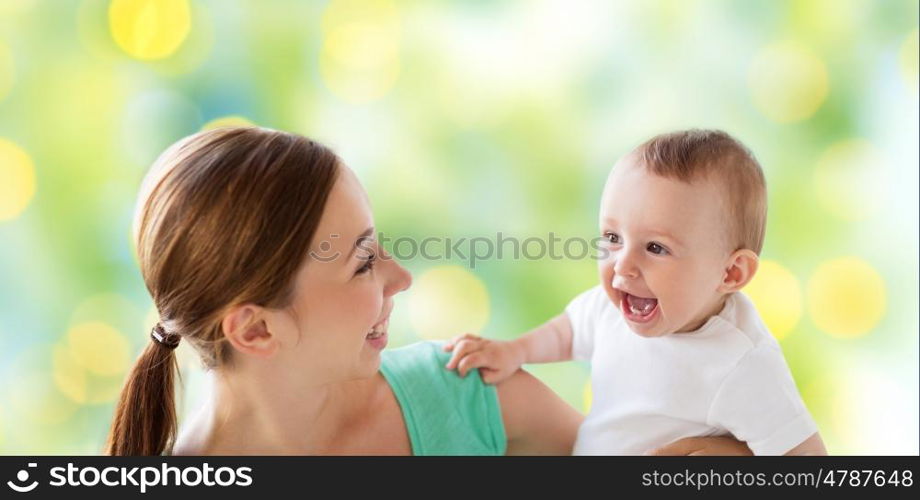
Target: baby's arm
point(498, 359)
point(814, 445)
point(758, 403)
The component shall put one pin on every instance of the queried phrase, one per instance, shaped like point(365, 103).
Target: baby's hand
point(496, 359)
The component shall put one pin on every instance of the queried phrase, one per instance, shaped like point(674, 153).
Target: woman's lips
point(377, 337)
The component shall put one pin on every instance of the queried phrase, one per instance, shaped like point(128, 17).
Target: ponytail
point(145, 418)
point(224, 217)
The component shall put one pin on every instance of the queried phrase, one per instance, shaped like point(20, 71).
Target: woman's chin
point(369, 365)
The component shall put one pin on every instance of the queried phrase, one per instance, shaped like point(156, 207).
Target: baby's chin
point(648, 331)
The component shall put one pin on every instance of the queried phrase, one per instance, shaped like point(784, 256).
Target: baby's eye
point(657, 249)
point(612, 237)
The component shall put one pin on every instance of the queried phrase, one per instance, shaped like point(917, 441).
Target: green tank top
point(444, 413)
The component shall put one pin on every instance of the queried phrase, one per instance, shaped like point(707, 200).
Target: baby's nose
point(625, 268)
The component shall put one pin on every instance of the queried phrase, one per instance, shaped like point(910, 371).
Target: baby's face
point(667, 250)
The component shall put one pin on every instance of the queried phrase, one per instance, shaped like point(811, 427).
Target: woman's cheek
point(369, 304)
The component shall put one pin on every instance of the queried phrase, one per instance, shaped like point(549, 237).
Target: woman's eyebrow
point(367, 232)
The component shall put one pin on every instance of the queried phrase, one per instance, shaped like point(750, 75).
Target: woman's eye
point(612, 237)
point(368, 264)
point(657, 249)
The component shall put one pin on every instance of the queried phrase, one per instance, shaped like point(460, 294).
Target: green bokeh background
point(463, 119)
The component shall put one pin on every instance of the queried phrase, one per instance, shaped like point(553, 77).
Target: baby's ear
point(739, 270)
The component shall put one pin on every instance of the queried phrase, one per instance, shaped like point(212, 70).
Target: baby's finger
point(454, 359)
point(468, 363)
point(453, 342)
point(463, 348)
point(490, 376)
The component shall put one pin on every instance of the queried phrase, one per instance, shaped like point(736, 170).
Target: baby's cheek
point(605, 274)
point(605, 271)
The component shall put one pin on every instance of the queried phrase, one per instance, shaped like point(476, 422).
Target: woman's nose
point(398, 277)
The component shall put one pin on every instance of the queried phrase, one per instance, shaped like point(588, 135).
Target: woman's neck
point(243, 416)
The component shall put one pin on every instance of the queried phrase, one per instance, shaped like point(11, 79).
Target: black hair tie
point(164, 338)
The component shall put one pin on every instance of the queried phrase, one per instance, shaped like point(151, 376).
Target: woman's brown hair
point(224, 217)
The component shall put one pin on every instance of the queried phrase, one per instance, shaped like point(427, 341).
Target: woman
point(258, 247)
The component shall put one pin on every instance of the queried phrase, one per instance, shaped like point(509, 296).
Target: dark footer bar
point(304, 477)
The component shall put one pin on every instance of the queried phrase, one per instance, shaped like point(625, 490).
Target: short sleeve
point(758, 403)
point(445, 414)
point(583, 313)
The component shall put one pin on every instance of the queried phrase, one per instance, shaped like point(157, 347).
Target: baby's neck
point(711, 311)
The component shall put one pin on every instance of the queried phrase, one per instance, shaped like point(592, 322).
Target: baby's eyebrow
point(656, 232)
point(666, 235)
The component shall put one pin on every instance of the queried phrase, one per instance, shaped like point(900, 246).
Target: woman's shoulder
point(445, 413)
point(418, 356)
point(418, 370)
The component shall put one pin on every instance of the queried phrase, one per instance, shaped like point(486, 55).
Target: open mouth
point(378, 330)
point(638, 309)
point(377, 337)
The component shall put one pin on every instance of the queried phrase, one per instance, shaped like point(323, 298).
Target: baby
point(676, 349)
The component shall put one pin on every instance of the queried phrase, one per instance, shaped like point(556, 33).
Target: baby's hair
point(691, 155)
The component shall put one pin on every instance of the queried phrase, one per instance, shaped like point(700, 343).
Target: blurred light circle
point(827, 22)
point(910, 66)
point(447, 301)
point(72, 375)
point(38, 400)
point(846, 297)
point(149, 29)
point(778, 296)
point(34, 395)
point(874, 414)
point(18, 180)
point(850, 180)
point(68, 375)
point(788, 82)
point(587, 397)
point(99, 348)
point(11, 7)
point(819, 394)
point(360, 54)
point(7, 71)
point(197, 47)
point(228, 121)
point(110, 308)
point(72, 372)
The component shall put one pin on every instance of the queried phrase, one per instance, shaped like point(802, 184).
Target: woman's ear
point(739, 270)
point(244, 326)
